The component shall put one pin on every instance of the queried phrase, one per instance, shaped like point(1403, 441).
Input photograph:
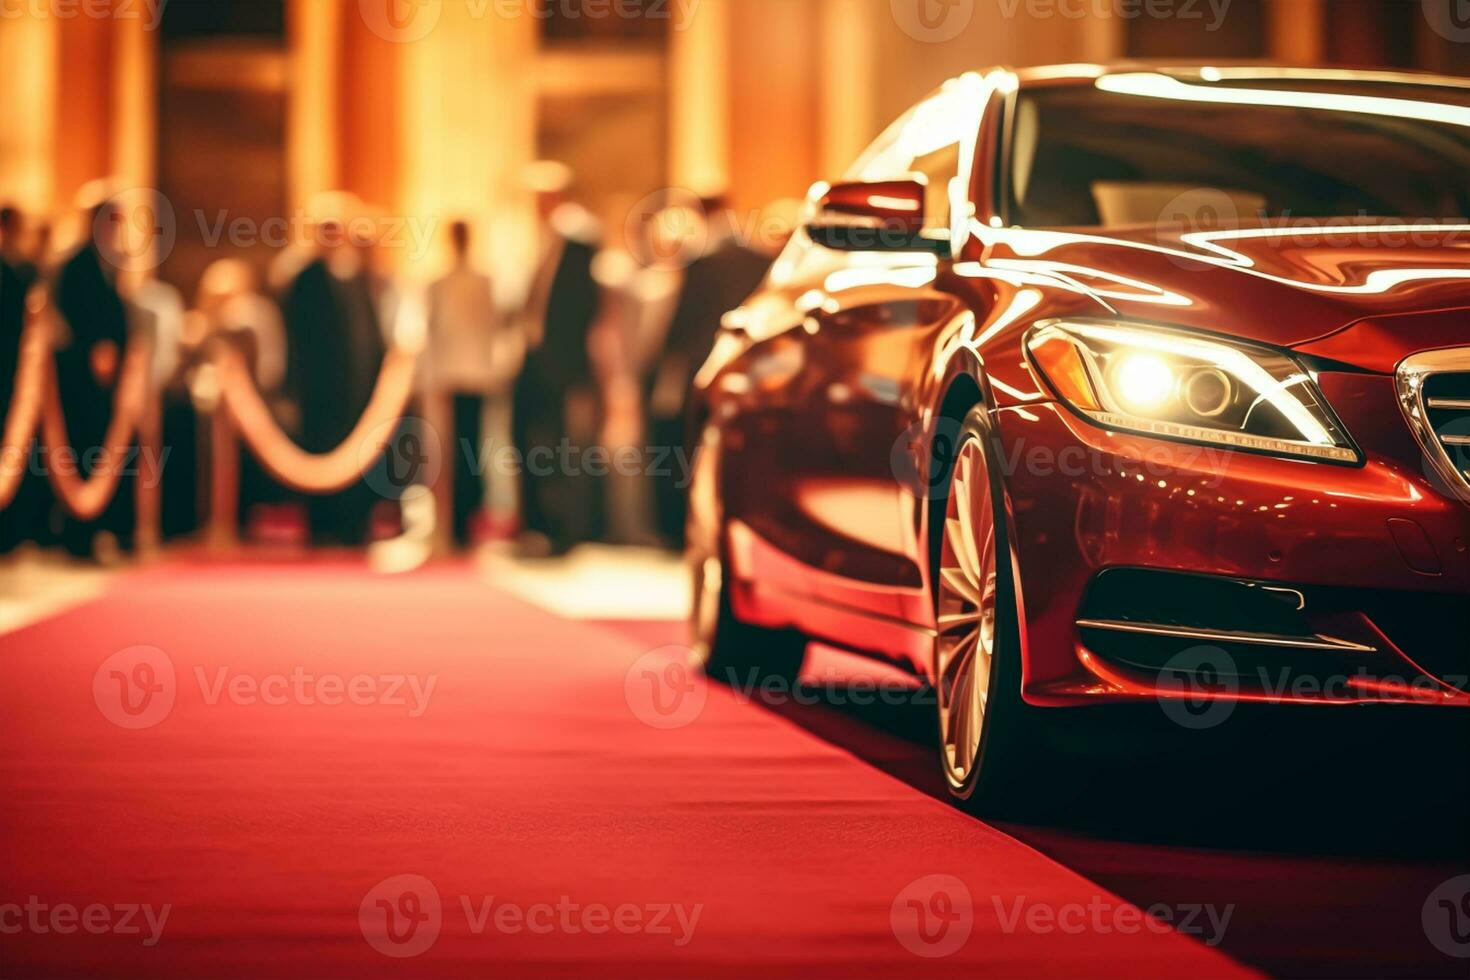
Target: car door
point(834, 383)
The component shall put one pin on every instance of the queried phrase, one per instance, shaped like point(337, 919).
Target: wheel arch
point(964, 391)
point(966, 388)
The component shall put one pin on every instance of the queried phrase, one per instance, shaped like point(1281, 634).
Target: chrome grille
point(1434, 392)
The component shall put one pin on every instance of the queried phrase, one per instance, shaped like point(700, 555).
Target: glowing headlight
point(1183, 386)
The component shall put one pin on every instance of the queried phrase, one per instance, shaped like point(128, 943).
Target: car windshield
point(1145, 147)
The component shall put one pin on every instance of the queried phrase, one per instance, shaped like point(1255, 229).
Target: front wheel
point(991, 742)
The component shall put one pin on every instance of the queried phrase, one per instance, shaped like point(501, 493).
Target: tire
point(730, 651)
point(1003, 769)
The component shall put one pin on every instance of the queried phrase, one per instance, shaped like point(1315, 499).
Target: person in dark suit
point(12, 245)
point(335, 350)
point(719, 280)
point(87, 366)
point(555, 400)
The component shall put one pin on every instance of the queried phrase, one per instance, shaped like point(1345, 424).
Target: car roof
point(1082, 73)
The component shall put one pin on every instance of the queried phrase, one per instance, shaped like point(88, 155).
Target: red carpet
point(527, 781)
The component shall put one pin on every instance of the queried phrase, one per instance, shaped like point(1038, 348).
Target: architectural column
point(84, 106)
point(1104, 39)
point(775, 104)
point(1296, 31)
point(29, 55)
point(699, 100)
point(468, 111)
point(135, 102)
point(371, 135)
point(134, 113)
point(849, 48)
point(313, 119)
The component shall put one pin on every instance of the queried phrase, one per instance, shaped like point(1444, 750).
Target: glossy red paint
point(826, 395)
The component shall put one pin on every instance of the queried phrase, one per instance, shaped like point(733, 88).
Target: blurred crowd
point(532, 397)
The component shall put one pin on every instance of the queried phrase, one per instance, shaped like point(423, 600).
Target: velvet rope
point(302, 471)
point(36, 403)
point(85, 498)
point(24, 414)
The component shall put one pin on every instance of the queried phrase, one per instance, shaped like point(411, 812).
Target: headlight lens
point(1180, 385)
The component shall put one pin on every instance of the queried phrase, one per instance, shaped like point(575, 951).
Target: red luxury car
point(1093, 385)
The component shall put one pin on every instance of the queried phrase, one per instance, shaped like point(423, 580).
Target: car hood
point(1281, 283)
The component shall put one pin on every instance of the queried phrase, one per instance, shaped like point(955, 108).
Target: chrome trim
point(1455, 440)
point(801, 595)
point(1316, 642)
point(1409, 378)
point(1301, 599)
point(1460, 404)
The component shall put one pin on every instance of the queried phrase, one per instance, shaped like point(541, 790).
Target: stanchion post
point(440, 418)
point(224, 481)
point(148, 495)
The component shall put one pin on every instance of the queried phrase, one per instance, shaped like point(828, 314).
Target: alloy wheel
point(967, 589)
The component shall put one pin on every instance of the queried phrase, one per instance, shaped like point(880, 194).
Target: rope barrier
point(85, 498)
point(316, 473)
point(36, 405)
point(24, 415)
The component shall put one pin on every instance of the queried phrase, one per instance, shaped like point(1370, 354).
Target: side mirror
point(874, 216)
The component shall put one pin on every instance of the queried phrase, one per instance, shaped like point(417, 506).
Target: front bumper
point(1373, 555)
